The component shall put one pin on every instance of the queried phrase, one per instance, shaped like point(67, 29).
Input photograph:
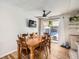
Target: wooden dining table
point(32, 44)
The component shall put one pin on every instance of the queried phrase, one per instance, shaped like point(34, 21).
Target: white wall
point(70, 29)
point(12, 22)
point(61, 32)
point(65, 29)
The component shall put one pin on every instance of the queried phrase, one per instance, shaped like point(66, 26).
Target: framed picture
point(31, 23)
point(74, 22)
point(74, 19)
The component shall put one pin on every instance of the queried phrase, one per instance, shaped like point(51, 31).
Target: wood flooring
point(57, 52)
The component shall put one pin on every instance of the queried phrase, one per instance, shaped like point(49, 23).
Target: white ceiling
point(56, 6)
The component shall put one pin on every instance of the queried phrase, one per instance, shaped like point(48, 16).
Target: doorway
point(51, 27)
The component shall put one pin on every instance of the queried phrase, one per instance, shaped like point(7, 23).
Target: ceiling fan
point(45, 13)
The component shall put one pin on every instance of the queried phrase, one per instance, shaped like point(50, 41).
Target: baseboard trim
point(8, 53)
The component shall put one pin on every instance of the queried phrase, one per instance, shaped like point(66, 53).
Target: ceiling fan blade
point(48, 13)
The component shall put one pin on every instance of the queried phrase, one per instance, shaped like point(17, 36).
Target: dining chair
point(24, 35)
point(31, 36)
point(45, 45)
point(49, 43)
point(35, 35)
point(43, 50)
point(24, 50)
point(18, 48)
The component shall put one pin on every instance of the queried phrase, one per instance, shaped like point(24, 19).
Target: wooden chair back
point(24, 35)
point(23, 46)
point(31, 36)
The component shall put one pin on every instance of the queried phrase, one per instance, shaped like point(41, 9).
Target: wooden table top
point(34, 41)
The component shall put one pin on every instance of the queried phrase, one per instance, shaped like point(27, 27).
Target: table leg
point(31, 53)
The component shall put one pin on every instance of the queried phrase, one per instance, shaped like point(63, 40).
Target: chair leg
point(39, 55)
point(46, 54)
